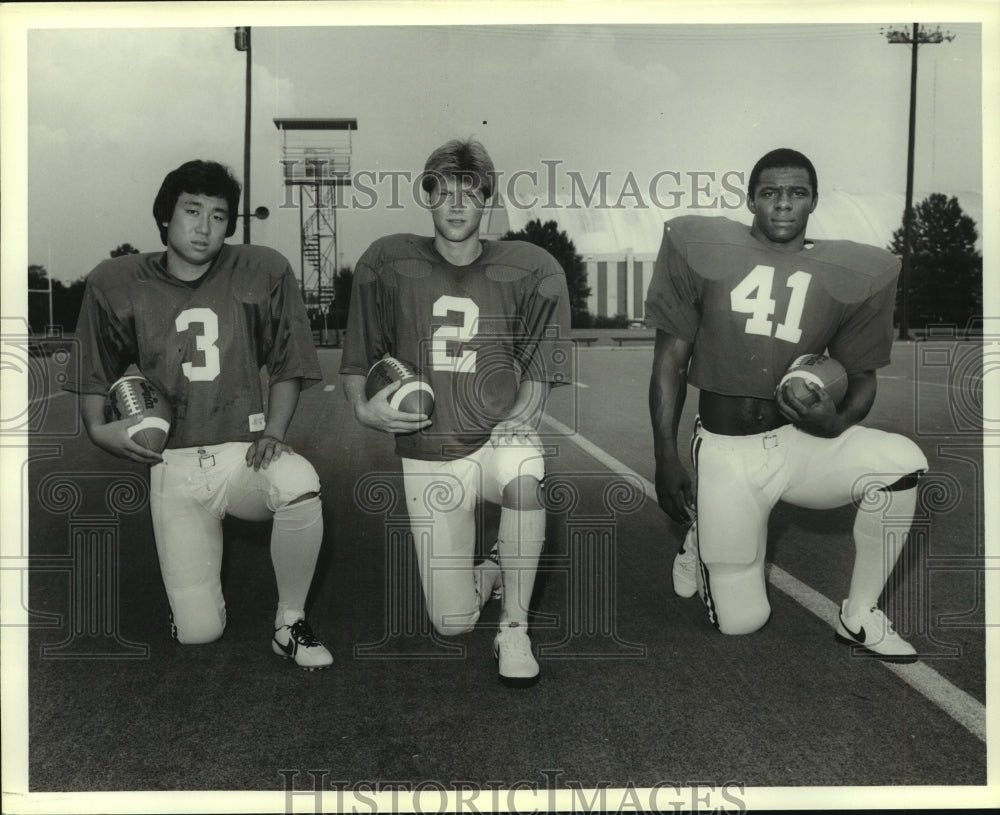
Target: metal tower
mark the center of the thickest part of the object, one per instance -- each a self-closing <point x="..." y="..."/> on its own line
<point x="316" y="157"/>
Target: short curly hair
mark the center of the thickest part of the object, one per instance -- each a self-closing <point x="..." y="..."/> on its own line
<point x="782" y="157"/>
<point x="197" y="178"/>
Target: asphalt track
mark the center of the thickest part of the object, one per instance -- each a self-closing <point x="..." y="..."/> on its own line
<point x="637" y="687"/>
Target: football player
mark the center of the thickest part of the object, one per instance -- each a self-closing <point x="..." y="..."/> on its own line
<point x="733" y="307"/>
<point x="472" y="316"/>
<point x="200" y="321"/>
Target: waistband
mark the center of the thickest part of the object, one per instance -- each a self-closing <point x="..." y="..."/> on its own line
<point x="205" y="456"/>
<point x="757" y="441"/>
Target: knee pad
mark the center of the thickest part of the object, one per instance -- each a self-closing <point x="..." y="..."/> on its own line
<point x="199" y="613"/>
<point x="290" y="477"/>
<point x="300" y="514"/>
<point x="897" y="454"/>
<point x="736" y="598"/>
<point x="515" y="460"/>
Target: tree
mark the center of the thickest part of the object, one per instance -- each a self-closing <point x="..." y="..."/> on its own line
<point x="946" y="270"/>
<point x="124" y="249"/>
<point x="558" y="244"/>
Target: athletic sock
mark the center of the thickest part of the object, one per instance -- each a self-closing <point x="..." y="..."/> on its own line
<point x="296" y="537"/>
<point x="521" y="538"/>
<point x="881" y="528"/>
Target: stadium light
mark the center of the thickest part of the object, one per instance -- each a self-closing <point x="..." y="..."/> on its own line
<point x="242" y="43"/>
<point x="914" y="39"/>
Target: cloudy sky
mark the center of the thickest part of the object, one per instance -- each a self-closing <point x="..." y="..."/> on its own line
<point x="110" y="110"/>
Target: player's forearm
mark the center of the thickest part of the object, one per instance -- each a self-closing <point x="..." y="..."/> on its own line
<point x="354" y="388"/>
<point x="860" y="396"/>
<point x="92" y="411"/>
<point x="667" y="392"/>
<point x="283" y="398"/>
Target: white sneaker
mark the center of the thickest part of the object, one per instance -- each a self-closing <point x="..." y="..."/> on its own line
<point x="686" y="565"/>
<point x="297" y="641"/>
<point x="872" y="630"/>
<point x="512" y="649"/>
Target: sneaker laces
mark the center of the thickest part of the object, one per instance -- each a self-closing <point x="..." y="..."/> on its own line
<point x="515" y="639"/>
<point x="303" y="635"/>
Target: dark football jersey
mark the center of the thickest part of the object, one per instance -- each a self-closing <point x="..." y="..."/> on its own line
<point x="750" y="310"/>
<point x="203" y="345"/>
<point x="473" y="331"/>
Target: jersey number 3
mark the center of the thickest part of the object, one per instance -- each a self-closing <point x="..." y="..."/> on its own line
<point x="204" y="341"/>
<point x="752" y="296"/>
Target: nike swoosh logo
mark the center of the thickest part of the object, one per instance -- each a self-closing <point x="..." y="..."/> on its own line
<point x="859" y="636"/>
<point x="290" y="648"/>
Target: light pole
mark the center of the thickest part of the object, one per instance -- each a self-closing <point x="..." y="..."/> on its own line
<point x="914" y="39"/>
<point x="242" y="41"/>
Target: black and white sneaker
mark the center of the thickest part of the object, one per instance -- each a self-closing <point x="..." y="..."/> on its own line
<point x="297" y="641"/>
<point x="872" y="630"/>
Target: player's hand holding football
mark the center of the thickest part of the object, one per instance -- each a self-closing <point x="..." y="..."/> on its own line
<point x="265" y="450"/>
<point x="816" y="415"/>
<point x="113" y="437"/>
<point x="674" y="490"/>
<point x="378" y="414"/>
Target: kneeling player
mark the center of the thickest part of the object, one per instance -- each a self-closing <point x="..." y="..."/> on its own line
<point x="471" y="316"/>
<point x="199" y="321"/>
<point x="733" y="306"/>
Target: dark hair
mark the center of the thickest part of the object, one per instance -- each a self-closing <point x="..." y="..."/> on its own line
<point x="782" y="157"/>
<point x="463" y="160"/>
<point x="196" y="178"/>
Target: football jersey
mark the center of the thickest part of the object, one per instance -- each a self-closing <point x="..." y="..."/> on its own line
<point x="473" y="331"/>
<point x="203" y="344"/>
<point x="750" y="310"/>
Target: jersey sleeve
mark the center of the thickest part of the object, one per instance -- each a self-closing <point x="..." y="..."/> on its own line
<point x="106" y="341"/>
<point x="291" y="353"/>
<point x="863" y="341"/>
<point x="543" y="353"/>
<point x="672" y="302"/>
<point x="369" y="320"/>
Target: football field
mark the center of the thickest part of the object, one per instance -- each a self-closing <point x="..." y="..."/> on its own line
<point x="637" y="689"/>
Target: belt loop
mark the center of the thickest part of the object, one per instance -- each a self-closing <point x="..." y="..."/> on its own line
<point x="770" y="440"/>
<point x="205" y="459"/>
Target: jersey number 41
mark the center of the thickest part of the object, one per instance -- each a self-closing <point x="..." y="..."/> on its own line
<point x="752" y="295"/>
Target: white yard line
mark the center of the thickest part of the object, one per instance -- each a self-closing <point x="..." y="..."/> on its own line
<point x="958" y="704"/>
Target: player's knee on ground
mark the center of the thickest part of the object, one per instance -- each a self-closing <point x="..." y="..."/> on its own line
<point x="292" y="480"/>
<point x="736" y="599"/>
<point x="198" y="614"/>
<point x="453" y="623"/>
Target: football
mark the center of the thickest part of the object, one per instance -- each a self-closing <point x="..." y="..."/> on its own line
<point x="414" y="394"/>
<point x="820" y="370"/>
<point x="135" y="396"/>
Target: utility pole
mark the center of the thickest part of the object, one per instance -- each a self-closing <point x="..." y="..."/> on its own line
<point x="242" y="37"/>
<point x="914" y="39"/>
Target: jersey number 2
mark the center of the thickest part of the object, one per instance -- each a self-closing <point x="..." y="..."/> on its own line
<point x="465" y="361"/>
<point x="204" y="342"/>
<point x="752" y="296"/>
